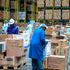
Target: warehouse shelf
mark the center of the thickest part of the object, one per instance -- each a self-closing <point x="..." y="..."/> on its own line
<point x="54" y="10"/>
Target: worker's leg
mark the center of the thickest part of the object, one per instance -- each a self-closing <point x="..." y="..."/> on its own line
<point x="34" y="64"/>
<point x="40" y="65"/>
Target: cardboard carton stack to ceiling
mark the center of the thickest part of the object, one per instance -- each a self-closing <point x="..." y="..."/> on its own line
<point x="65" y="2"/>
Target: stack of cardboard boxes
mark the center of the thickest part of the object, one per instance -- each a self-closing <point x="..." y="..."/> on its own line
<point x="59" y="48"/>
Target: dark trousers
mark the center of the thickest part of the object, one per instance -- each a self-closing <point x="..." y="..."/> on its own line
<point x="37" y="65"/>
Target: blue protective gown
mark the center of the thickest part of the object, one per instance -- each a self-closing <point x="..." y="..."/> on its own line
<point x="13" y="29"/>
<point x="37" y="44"/>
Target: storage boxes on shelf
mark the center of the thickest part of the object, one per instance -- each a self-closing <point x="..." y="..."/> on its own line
<point x="41" y="15"/>
<point x="65" y="3"/>
<point x="57" y="3"/>
<point x="49" y="3"/>
<point x="57" y="14"/>
<point x="48" y="14"/>
<point x="40" y="3"/>
<point x="65" y="14"/>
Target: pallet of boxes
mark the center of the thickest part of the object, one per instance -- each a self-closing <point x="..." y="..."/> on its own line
<point x="12" y="51"/>
<point x="57" y="59"/>
<point x="2" y="48"/>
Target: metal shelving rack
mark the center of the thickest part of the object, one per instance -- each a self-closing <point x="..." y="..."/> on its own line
<point x="12" y="8"/>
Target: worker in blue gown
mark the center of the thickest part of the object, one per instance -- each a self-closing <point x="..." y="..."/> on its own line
<point x="37" y="46"/>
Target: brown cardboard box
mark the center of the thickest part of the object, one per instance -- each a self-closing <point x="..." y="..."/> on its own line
<point x="14" y="51"/>
<point x="56" y="62"/>
<point x="14" y="42"/>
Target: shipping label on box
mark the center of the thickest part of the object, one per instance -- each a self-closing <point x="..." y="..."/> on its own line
<point x="57" y="14"/>
<point x="65" y="3"/>
<point x="65" y="14"/>
<point x="48" y="14"/>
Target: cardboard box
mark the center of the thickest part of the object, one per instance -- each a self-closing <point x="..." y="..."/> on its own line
<point x="65" y="14"/>
<point x="57" y="14"/>
<point x="58" y="3"/>
<point x="56" y="62"/>
<point x="14" y="42"/>
<point x="49" y="3"/>
<point x="65" y="2"/>
<point x="1" y="56"/>
<point x="40" y="14"/>
<point x="14" y="51"/>
<point x="48" y="14"/>
<point x="62" y="42"/>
